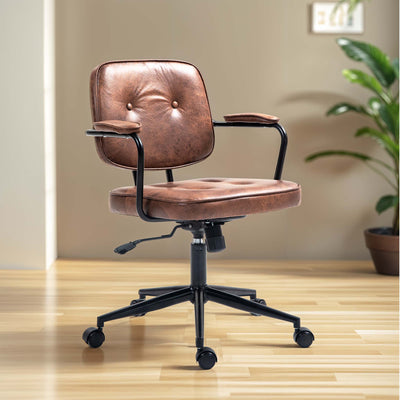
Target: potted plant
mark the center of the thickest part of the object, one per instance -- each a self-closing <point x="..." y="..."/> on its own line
<point x="383" y="110"/>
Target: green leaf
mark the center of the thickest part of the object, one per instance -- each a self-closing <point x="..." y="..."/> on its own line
<point x="374" y="104"/>
<point x="368" y="81"/>
<point x="383" y="139"/>
<point x="342" y="108"/>
<point x="360" y="156"/>
<point x="386" y="115"/>
<point x="386" y="202"/>
<point x="338" y="4"/>
<point x="352" y="5"/>
<point x="390" y="116"/>
<point x="395" y="65"/>
<point x="376" y="60"/>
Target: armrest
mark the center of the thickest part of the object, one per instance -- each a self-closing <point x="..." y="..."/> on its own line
<point x="120" y="127"/>
<point x="260" y="121"/>
<point x="127" y="130"/>
<point x="252" y="117"/>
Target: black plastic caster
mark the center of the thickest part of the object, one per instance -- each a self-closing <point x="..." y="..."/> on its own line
<point x="303" y="337"/>
<point x="135" y="302"/>
<point x="259" y="301"/>
<point x="206" y="357"/>
<point x="94" y="337"/>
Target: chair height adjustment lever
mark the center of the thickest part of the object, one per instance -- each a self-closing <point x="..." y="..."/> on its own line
<point x="124" y="248"/>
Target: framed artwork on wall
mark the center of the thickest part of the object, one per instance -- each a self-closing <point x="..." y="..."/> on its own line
<point x="325" y="20"/>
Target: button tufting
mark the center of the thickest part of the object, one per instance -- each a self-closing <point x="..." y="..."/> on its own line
<point x="242" y="183"/>
<point x="129" y="106"/>
<point x="175" y="104"/>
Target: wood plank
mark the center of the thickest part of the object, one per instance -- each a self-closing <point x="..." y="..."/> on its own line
<point x="352" y="311"/>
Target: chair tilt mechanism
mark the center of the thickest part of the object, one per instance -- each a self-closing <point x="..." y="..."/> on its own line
<point x="155" y="115"/>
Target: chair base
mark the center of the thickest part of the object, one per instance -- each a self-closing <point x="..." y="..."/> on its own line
<point x="198" y="293"/>
<point x="167" y="289"/>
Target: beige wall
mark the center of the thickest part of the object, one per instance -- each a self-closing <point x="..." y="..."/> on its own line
<point x="256" y="56"/>
<point x="27" y="185"/>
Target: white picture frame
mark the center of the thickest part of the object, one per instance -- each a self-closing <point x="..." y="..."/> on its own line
<point x="324" y="21"/>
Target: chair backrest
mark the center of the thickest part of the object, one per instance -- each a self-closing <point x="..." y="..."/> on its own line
<point x="168" y="98"/>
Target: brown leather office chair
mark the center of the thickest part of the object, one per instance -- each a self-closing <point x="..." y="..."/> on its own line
<point x="155" y="115"/>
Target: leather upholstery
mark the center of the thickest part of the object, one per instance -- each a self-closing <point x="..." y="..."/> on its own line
<point x="121" y="127"/>
<point x="166" y="102"/>
<point x="170" y="101"/>
<point x="252" y="117"/>
<point x="208" y="198"/>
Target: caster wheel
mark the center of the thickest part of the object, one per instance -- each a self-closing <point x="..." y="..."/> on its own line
<point x="135" y="302"/>
<point x="303" y="337"/>
<point x="94" y="337"/>
<point x="206" y="357"/>
<point x="259" y="301"/>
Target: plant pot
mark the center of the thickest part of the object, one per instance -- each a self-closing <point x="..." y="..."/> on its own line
<point x="384" y="249"/>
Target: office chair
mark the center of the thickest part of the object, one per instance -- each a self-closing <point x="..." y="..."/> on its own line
<point x="155" y="115"/>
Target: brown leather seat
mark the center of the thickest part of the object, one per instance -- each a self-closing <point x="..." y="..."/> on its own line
<point x="155" y="115"/>
<point x="208" y="198"/>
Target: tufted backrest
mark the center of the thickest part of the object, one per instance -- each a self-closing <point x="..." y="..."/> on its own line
<point x="170" y="101"/>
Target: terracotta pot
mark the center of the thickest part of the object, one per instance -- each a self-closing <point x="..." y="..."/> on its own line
<point x="384" y="249"/>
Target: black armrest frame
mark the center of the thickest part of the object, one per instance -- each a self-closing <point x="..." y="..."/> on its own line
<point x="139" y="173"/>
<point x="139" y="181"/>
<point x="282" y="132"/>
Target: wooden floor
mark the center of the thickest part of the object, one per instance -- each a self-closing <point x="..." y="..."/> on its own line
<point x="352" y="311"/>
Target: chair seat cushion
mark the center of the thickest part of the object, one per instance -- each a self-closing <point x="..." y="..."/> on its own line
<point x="208" y="198"/>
